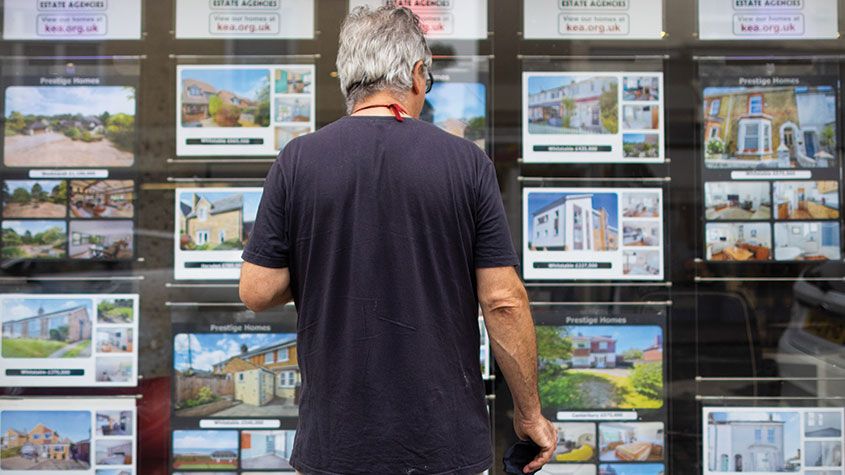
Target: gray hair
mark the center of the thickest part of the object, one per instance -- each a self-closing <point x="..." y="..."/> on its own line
<point x="377" y="52"/>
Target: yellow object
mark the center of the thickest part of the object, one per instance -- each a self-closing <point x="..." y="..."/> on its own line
<point x="581" y="454"/>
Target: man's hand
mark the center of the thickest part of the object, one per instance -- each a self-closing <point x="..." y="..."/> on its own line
<point x="541" y="432"/>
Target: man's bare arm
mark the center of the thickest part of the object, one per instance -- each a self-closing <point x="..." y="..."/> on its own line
<point x="504" y="303"/>
<point x="262" y="288"/>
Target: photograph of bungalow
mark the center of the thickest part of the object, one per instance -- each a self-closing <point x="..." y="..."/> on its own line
<point x="111" y="423"/>
<point x="102" y="198"/>
<point x="631" y="441"/>
<point x="567" y="105"/>
<point x="266" y="449"/>
<point x="293" y="81"/>
<point x="113" y="451"/>
<point x="114" y="340"/>
<point x="770" y="127"/>
<point x="45" y="441"/>
<point x="814" y="241"/>
<point x="735" y="200"/>
<point x="641" y="204"/>
<point x="47" y="328"/>
<point x="34" y="239"/>
<point x="640" y="262"/>
<point x="573" y="221"/>
<point x="73" y="126"/>
<point x="216" y="221"/>
<point x="807" y="199"/>
<point x="205" y="449"/>
<point x="823" y="424"/>
<point x="225" y="97"/>
<point x="459" y="108"/>
<point x="640" y="233"/>
<point x="34" y="198"/>
<point x="576" y="442"/>
<point x="113" y="370"/>
<point x="102" y="240"/>
<point x="738" y="241"/>
<point x="641" y="88"/>
<point x="740" y="441"/>
<point x="236" y="375"/>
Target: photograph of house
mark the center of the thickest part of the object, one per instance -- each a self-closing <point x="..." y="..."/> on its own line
<point x="638" y="117"/>
<point x="739" y="441"/>
<point x="632" y="469"/>
<point x="631" y="441"/>
<point x="286" y="133"/>
<point x="225" y="97"/>
<point x="216" y="221"/>
<point x="640" y="145"/>
<point x="737" y="200"/>
<point x="266" y="449"/>
<point x="576" y="442"/>
<point x="640" y="262"/>
<point x="813" y="241"/>
<point x="112" y="423"/>
<point x="34" y="198"/>
<point x="115" y="310"/>
<point x="102" y="198"/>
<point x="459" y="108"/>
<point x="822" y="424"/>
<point x="115" y="370"/>
<point x="600" y="367"/>
<point x="236" y="375"/>
<point x="45" y="441"/>
<point x="738" y="242"/>
<point x="114" y="340"/>
<point x="113" y="451"/>
<point x="770" y="127"/>
<point x="573" y="221"/>
<point x="807" y="199"/>
<point x="72" y="126"/>
<point x="641" y="88"/>
<point x="46" y="328"/>
<point x="641" y="204"/>
<point x="566" y="104"/>
<point x="34" y="239"/>
<point x="641" y="233"/>
<point x="824" y="454"/>
<point x="293" y="81"/>
<point x="293" y="109"/>
<point x="205" y="449"/>
<point x="102" y="240"/>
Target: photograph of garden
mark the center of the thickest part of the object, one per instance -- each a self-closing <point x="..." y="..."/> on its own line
<point x="78" y="126"/>
<point x="46" y="328"/>
<point x="34" y="198"/>
<point x="600" y="367"/>
<point x="231" y="97"/>
<point x="34" y="239"/>
<point x="117" y="310"/>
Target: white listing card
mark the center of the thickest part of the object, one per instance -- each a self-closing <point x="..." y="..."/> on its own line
<point x="443" y="19"/>
<point x="593" y="19"/>
<point x="245" y="19"/>
<point x="92" y="20"/>
<point x="767" y="19"/>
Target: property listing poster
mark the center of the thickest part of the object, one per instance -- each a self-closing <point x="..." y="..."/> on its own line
<point x="91" y="436"/>
<point x="245" y="19"/>
<point x="593" y="19"/>
<point x="768" y="19"/>
<point x="593" y="234"/>
<point x="771" y="166"/>
<point x="593" y="117"/>
<point x="212" y="228"/>
<point x="458" y="99"/>
<point x="236" y="111"/>
<point x="73" y="20"/>
<point x="443" y="19"/>
<point x="53" y="340"/>
<point x="601" y="381"/>
<point x="803" y="441"/>
<point x="236" y="388"/>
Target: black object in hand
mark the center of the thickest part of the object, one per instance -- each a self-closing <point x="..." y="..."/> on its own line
<point x="519" y="455"/>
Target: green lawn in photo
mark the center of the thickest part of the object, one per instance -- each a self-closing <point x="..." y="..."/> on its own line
<point x="10" y="452"/>
<point x="32" y="348"/>
<point x="115" y="311"/>
<point x="81" y="350"/>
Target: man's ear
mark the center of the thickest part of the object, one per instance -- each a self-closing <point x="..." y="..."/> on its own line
<point x="419" y="78"/>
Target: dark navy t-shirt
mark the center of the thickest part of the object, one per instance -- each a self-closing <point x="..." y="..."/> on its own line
<point x="382" y="224"/>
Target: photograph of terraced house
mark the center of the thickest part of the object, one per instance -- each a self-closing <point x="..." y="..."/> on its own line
<point x="770" y="127"/>
<point x="47" y="328"/>
<point x="583" y="221"/>
<point x="236" y="375"/>
<point x="216" y="220"/>
<point x="225" y="97"/>
<point x="45" y="441"/>
<point x="807" y="199"/>
<point x="573" y="105"/>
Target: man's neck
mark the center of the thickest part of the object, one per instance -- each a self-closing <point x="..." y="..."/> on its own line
<point x="378" y="99"/>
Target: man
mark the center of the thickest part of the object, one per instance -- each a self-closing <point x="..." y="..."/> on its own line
<point x="388" y="233"/>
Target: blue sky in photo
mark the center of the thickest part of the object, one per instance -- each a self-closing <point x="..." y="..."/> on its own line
<point x="85" y="100"/>
<point x="251" y="200"/>
<point x="639" y="138"/>
<point x="635" y="469"/>
<point x="75" y="425"/>
<point x="208" y="349"/>
<point x="638" y="337"/>
<point x="204" y="441"/>
<point x="543" y="83"/>
<point x="15" y="309"/>
<point x="791" y="430"/>
<point x="718" y="90"/>
<point x="608" y="201"/>
<point x="47" y="185"/>
<point x="35" y="227"/>
<point x="243" y="82"/>
<point x="457" y="100"/>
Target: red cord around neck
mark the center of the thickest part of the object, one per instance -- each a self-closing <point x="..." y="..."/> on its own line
<point x="396" y="108"/>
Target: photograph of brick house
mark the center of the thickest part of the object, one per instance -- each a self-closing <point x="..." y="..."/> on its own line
<point x="573" y="221"/>
<point x="45" y="440"/>
<point x="47" y="327"/>
<point x="569" y="104"/>
<point x="770" y="127"/>
<point x="216" y="221"/>
<point x="225" y="97"/>
<point x="258" y="376"/>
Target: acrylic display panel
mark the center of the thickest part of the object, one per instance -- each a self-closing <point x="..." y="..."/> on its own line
<point x="68" y="20"/>
<point x="593" y="20"/>
<point x="443" y="20"/>
<point x="245" y="19"/>
<point x="767" y="19"/>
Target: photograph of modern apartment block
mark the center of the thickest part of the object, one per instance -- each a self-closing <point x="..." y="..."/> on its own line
<point x="573" y="221"/>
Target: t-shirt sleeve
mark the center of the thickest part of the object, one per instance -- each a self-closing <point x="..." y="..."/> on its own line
<point x="493" y="244"/>
<point x="268" y="244"/>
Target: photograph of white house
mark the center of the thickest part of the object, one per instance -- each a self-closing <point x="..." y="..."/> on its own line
<point x="267" y="449"/>
<point x="737" y="201"/>
<point x="573" y="104"/>
<point x="738" y="241"/>
<point x="574" y="221"/>
<point x="743" y="441"/>
<point x="807" y="241"/>
<point x="807" y="199"/>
